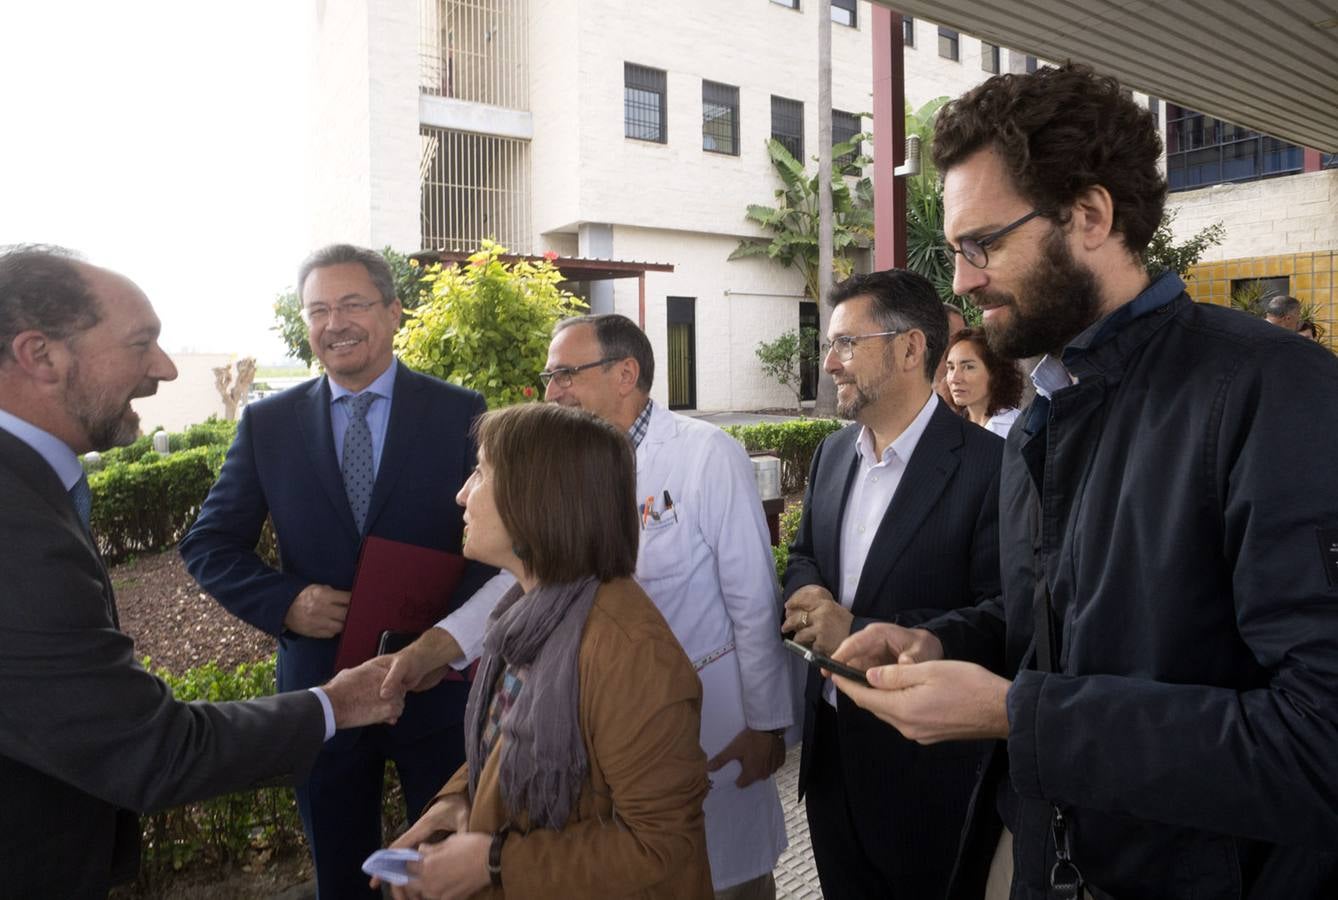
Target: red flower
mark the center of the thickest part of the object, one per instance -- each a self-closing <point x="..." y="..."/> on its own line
<point x="550" y="255"/>
<point x="528" y="392"/>
<point x="478" y="261"/>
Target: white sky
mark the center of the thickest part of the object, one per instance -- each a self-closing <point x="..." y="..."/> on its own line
<point x="163" y="140"/>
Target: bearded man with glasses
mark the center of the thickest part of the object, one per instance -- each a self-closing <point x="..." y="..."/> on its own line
<point x="898" y="525"/>
<point x="1160" y="676"/>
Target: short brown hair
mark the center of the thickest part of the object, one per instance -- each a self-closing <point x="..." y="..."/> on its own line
<point x="564" y="482"/>
<point x="1005" y="384"/>
<point x="1059" y="132"/>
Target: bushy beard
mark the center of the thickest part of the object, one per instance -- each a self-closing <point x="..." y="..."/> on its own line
<point x="1060" y="299"/>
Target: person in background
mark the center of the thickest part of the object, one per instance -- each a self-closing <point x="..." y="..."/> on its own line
<point x="88" y="738"/>
<point x="1284" y="311"/>
<point x="985" y="386"/>
<point x="585" y="777"/>
<point x="956" y="322"/>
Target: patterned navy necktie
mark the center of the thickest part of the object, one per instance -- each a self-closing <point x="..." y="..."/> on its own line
<point x="81" y="495"/>
<point x="359" y="468"/>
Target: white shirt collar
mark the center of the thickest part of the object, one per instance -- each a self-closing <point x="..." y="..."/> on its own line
<point x="56" y="452"/>
<point x="905" y="443"/>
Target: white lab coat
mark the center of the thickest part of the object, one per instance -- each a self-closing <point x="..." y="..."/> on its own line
<point x="707" y="565"/>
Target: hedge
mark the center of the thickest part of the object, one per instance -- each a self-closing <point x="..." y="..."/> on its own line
<point x="227" y="830"/>
<point x="793" y="441"/>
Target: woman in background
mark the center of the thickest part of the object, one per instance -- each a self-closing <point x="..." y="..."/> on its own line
<point x="985" y="387"/>
<point x="584" y="774"/>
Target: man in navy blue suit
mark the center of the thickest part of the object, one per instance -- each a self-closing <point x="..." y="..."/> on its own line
<point x="370" y="448"/>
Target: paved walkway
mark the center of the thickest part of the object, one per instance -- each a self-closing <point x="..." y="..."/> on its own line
<point x="796" y="877"/>
<point x="722" y="419"/>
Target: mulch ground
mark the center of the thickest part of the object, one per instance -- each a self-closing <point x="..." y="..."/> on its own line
<point x="180" y="627"/>
<point x="177" y="624"/>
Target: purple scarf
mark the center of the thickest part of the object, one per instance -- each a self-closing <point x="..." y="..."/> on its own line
<point x="543" y="763"/>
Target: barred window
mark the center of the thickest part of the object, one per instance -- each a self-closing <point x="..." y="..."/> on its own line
<point x="787" y="124"/>
<point x="989" y="57"/>
<point x="720" y="118"/>
<point x="948" y="43"/>
<point x="908" y="30"/>
<point x="643" y="103"/>
<point x="844" y="127"/>
<point x="843" y="12"/>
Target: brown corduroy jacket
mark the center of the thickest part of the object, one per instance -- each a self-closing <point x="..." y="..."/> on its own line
<point x="638" y="830"/>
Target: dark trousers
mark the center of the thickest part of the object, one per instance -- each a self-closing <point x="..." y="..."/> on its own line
<point x="854" y="857"/>
<point x="341" y="802"/>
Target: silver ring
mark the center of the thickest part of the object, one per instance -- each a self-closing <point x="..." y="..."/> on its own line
<point x="803" y="619"/>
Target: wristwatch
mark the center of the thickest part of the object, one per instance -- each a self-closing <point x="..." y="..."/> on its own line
<point x="495" y="854"/>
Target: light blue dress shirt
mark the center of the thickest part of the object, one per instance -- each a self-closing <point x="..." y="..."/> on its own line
<point x="378" y="413"/>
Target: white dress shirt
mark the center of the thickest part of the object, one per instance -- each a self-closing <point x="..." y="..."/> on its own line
<point x="871" y="491"/>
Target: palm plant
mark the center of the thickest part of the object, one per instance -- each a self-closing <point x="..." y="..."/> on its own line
<point x="793" y="221"/>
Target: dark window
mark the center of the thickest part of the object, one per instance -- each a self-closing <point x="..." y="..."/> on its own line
<point x="908" y="31"/>
<point x="948" y="41"/>
<point x="787" y="125"/>
<point x="809" y="363"/>
<point x="791" y="4"/>
<point x="843" y="12"/>
<point x="1329" y="160"/>
<point x="1263" y="288"/>
<point x="1201" y="150"/>
<point x="1154" y="107"/>
<point x="989" y="57"/>
<point x="844" y="127"/>
<point x="1031" y="64"/>
<point x="720" y="118"/>
<point x="643" y="103"/>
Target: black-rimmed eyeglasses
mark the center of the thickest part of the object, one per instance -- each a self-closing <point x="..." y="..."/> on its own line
<point x="563" y="377"/>
<point x="844" y="346"/>
<point x="976" y="250"/>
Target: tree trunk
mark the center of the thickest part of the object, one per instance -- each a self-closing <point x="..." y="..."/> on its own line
<point x="826" y="401"/>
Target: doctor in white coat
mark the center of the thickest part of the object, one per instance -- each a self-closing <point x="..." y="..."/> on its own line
<point x="705" y="561"/>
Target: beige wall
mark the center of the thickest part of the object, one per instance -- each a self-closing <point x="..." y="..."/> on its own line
<point x="191" y="398"/>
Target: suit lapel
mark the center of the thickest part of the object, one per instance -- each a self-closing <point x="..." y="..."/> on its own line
<point x="407" y="413"/>
<point x="833" y="528"/>
<point x="927" y="474"/>
<point x="313" y="421"/>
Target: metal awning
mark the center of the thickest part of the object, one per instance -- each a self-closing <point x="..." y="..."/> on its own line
<point x="572" y="268"/>
<point x="1270" y="65"/>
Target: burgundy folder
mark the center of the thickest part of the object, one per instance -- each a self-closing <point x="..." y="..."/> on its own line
<point x="398" y="587"/>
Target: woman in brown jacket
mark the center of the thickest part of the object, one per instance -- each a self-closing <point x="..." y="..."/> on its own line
<point x="584" y="777"/>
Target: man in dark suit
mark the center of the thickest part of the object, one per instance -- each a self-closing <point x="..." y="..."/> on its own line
<point x="86" y="735"/>
<point x="370" y="448"/>
<point x="900" y="522"/>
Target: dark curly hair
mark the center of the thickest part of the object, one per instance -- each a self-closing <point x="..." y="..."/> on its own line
<point x="1059" y="132"/>
<point x="1005" y="376"/>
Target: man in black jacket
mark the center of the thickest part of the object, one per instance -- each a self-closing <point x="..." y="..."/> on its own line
<point x="900" y="524"/>
<point x="1169" y="618"/>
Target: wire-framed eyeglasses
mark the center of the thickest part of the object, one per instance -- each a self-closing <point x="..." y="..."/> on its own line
<point x="564" y="376"/>
<point x="976" y="250"/>
<point x="844" y="346"/>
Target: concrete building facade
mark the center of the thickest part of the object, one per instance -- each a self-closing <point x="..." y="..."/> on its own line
<point x="603" y="129"/>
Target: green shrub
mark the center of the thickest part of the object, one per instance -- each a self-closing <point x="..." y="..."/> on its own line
<point x="793" y="441"/>
<point x="486" y="325"/>
<point x="224" y="829"/>
<point x="147" y="505"/>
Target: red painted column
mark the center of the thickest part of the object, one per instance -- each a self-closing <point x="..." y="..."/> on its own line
<point x="1312" y="160"/>
<point x="889" y="139"/>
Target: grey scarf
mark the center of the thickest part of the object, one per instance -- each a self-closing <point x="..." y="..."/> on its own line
<point x="543" y="761"/>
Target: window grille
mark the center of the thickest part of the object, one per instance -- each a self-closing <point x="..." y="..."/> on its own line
<point x="643" y="103"/>
<point x="474" y="186"/>
<point x="475" y="50"/>
<point x="787" y="124"/>
<point x="720" y="118"/>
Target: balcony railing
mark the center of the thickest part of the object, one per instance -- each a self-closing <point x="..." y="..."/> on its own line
<point x="474" y="186"/>
<point x="476" y="50"/>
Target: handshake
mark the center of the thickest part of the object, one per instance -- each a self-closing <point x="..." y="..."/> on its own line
<point x="357" y="698"/>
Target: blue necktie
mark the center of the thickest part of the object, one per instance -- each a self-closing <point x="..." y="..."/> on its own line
<point x="81" y="495"/>
<point x="359" y="468"/>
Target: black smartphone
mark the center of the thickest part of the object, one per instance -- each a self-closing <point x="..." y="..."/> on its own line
<point x="395" y="641"/>
<point x="817" y="660"/>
